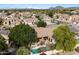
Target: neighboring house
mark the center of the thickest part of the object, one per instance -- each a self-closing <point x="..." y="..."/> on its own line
<point x="18" y="18"/>
<point x="74" y="19"/>
<point x="3" y="15"/>
<point x="75" y="12"/>
<point x="47" y="19"/>
<point x="4" y="33"/>
<point x="24" y="15"/>
<point x="65" y="18"/>
<point x="30" y="21"/>
<point x="62" y="18"/>
<point x="11" y="22"/>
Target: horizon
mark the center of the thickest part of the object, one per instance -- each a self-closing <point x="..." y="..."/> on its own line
<point x="35" y="6"/>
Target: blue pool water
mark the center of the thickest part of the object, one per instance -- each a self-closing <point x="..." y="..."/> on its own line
<point x="35" y="51"/>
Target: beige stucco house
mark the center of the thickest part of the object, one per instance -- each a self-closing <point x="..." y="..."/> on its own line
<point x="44" y="34"/>
<point x="11" y="22"/>
<point x="62" y="17"/>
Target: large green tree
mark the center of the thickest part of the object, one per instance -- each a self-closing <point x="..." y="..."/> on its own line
<point x="3" y="45"/>
<point x="65" y="39"/>
<point x="23" y="35"/>
<point x="41" y="24"/>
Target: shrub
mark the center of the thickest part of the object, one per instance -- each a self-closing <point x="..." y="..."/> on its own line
<point x="23" y="51"/>
<point x="3" y="45"/>
<point x="41" y="24"/>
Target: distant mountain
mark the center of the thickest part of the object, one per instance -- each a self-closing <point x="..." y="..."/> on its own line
<point x="51" y="8"/>
<point x="57" y="7"/>
<point x="60" y="7"/>
<point x="73" y="7"/>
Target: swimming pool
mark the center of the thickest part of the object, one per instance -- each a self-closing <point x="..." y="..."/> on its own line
<point x="35" y="51"/>
<point x="38" y="50"/>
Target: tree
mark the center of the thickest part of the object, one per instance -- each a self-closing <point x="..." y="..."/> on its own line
<point x="23" y="51"/>
<point x="57" y="16"/>
<point x="3" y="45"/>
<point x="41" y="24"/>
<point x="65" y="39"/>
<point x="1" y="21"/>
<point x="50" y="46"/>
<point x="23" y="35"/>
<point x="50" y="13"/>
<point x="38" y="17"/>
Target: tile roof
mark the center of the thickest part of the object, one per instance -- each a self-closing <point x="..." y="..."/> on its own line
<point x="43" y="32"/>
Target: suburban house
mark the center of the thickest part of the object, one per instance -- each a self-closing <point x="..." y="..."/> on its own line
<point x="4" y="33"/>
<point x="74" y="19"/>
<point x="47" y="19"/>
<point x="11" y="21"/>
<point x="44" y="34"/>
<point x="75" y="12"/>
<point x="3" y="15"/>
<point x="18" y="18"/>
<point x="24" y="15"/>
<point x="30" y="21"/>
<point x="64" y="18"/>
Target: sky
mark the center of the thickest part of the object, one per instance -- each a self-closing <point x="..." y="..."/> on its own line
<point x="36" y="6"/>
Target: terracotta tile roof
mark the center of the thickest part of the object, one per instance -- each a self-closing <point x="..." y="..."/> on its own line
<point x="43" y="32"/>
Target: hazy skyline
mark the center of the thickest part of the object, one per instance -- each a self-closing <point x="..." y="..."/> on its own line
<point x="36" y="6"/>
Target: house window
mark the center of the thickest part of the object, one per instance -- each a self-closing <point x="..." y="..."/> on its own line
<point x="66" y="19"/>
<point x="51" y="40"/>
<point x="45" y="38"/>
<point x="9" y="22"/>
<point x="12" y="20"/>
